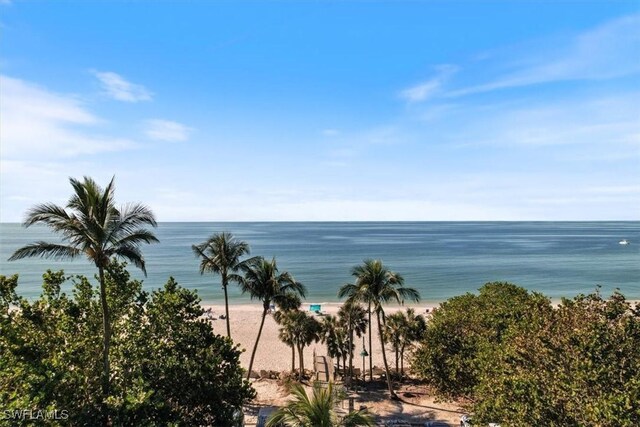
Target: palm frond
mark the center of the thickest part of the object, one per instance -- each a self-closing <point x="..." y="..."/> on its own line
<point x="46" y="213"/>
<point x="132" y="254"/>
<point x="45" y="250"/>
<point x="347" y="290"/>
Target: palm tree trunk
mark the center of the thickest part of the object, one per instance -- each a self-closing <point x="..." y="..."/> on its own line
<point x="402" y="361"/>
<point x="226" y="304"/>
<point x="344" y="363"/>
<point x="106" y="326"/>
<point x="397" y="368"/>
<point x="384" y="358"/>
<point x="300" y="356"/>
<point x="350" y="354"/>
<point x="293" y="359"/>
<point x="370" y="347"/>
<point x="255" y="347"/>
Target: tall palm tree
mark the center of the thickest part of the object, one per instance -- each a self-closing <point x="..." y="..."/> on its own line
<point x="263" y="282"/>
<point x="92" y="226"/>
<point x="221" y="254"/>
<point x="354" y="319"/>
<point x="319" y="410"/>
<point x="376" y="285"/>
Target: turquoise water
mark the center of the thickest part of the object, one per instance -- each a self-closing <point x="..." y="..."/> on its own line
<point x="440" y="259"/>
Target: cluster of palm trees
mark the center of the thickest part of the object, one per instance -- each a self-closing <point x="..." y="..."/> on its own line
<point x="338" y="333"/>
<point x="374" y="286"/>
<point x="402" y="330"/>
<point x="298" y="330"/>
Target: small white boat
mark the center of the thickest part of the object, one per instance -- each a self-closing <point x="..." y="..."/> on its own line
<point x="623" y="242"/>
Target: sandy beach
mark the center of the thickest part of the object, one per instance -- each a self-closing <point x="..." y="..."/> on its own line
<point x="416" y="405"/>
<point x="272" y="353"/>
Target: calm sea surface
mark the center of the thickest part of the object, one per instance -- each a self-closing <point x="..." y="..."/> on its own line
<point x="440" y="259"/>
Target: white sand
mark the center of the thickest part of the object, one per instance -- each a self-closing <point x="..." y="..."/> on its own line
<point x="273" y="354"/>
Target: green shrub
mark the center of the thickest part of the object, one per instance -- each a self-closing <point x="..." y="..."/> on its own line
<point x="520" y="361"/>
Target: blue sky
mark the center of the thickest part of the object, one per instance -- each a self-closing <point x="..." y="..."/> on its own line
<point x="227" y="111"/>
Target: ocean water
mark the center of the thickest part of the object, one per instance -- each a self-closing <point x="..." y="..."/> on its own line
<point x="440" y="259"/>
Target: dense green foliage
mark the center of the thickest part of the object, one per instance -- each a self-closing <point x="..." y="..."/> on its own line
<point x="317" y="410"/>
<point x="167" y="366"/>
<point x="521" y="361"/>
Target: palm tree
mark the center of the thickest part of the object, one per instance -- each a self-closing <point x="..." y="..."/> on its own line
<point x="353" y="318"/>
<point x="376" y="285"/>
<point x="356" y="293"/>
<point x="319" y="410"/>
<point x="284" y="317"/>
<point x="304" y="330"/>
<point x="345" y="346"/>
<point x="285" y="333"/>
<point x="395" y="332"/>
<point x="263" y="282"/>
<point x="91" y="225"/>
<point x="221" y="254"/>
<point x="415" y="327"/>
<point x="329" y="328"/>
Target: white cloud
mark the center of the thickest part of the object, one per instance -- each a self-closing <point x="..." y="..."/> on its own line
<point x="120" y="89"/>
<point x="608" y="51"/>
<point x="431" y="87"/>
<point x="37" y="123"/>
<point x="166" y="130"/>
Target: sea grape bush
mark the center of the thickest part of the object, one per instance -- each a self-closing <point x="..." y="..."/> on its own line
<point x="521" y="361"/>
<point x="168" y="367"/>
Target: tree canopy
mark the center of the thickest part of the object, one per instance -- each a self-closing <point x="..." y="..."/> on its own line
<point x="521" y="361"/>
<point x="167" y="365"/>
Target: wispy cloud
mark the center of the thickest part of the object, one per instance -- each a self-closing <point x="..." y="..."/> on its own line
<point x="608" y="51"/>
<point x="166" y="130"/>
<point x="330" y="132"/>
<point x="608" y="124"/>
<point x="39" y="123"/>
<point x="118" y="88"/>
<point x="429" y="88"/>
